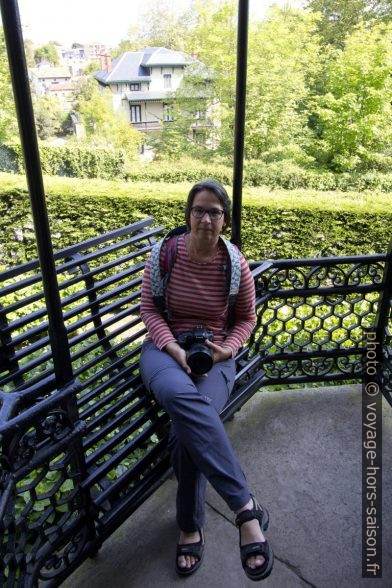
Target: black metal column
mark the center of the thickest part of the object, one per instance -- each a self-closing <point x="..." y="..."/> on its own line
<point x="24" y="109"/>
<point x="239" y="128"/>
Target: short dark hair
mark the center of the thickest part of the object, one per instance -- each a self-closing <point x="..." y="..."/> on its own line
<point x="220" y="193"/>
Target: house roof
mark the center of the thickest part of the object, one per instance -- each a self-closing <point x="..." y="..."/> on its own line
<point x="61" y="87"/>
<point x="155" y="56"/>
<point x="132" y="66"/>
<point x="51" y="72"/>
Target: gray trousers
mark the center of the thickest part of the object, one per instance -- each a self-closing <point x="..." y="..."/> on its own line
<point x="200" y="448"/>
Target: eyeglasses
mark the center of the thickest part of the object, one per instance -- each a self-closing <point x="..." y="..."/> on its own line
<point x="214" y="213"/>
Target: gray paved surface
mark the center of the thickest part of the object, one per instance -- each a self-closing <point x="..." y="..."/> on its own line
<point x="301" y="452"/>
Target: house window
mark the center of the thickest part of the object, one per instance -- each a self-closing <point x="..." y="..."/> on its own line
<point x="167" y="80"/>
<point x="136" y="113"/>
<point x="135" y="87"/>
<point x="198" y="137"/>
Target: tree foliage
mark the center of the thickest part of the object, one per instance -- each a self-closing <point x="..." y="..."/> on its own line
<point x="318" y="90"/>
<point x="29" y="52"/>
<point x="47" y="53"/>
<point x="213" y="42"/>
<point x="283" y="62"/>
<point x="354" y="112"/>
<point x="161" y="28"/>
<point x="188" y="122"/>
<point x="102" y="125"/>
<point x="340" y="17"/>
<point x="314" y="99"/>
<point x="92" y="67"/>
<point x="8" y="121"/>
<point x="49" y="116"/>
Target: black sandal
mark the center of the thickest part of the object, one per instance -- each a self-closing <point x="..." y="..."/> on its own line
<point x="195" y="549"/>
<point x="260" y="548"/>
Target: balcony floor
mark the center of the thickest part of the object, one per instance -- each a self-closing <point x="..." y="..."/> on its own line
<point x="301" y="452"/>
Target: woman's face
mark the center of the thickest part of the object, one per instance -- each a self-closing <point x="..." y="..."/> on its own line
<point x="206" y="227"/>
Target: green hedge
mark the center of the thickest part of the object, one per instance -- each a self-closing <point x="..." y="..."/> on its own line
<point x="275" y="224"/>
<point x="9" y="160"/>
<point x="69" y="160"/>
<point x="183" y="171"/>
<point x="281" y="174"/>
<point x="92" y="162"/>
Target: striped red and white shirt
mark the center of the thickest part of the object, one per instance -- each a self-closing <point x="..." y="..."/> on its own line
<point x="196" y="296"/>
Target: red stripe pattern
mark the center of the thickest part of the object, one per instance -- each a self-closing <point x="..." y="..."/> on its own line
<point x="196" y="296"/>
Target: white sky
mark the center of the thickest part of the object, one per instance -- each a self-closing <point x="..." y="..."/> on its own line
<point x="106" y="21"/>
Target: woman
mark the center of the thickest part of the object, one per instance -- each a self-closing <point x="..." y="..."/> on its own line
<point x="200" y="449"/>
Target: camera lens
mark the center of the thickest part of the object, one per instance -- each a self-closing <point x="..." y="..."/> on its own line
<point x="200" y="359"/>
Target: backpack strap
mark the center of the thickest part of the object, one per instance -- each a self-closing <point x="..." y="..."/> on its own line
<point x="233" y="278"/>
<point x="159" y="281"/>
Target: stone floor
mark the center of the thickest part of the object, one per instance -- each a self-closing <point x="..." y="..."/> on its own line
<point x="301" y="452"/>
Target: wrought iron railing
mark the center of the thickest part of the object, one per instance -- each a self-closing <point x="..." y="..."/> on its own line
<point x="312" y="315"/>
<point x="78" y="461"/>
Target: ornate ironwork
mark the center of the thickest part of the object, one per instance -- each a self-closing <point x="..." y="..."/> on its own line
<point x="72" y="475"/>
<point x="311" y="314"/>
<point x="42" y="502"/>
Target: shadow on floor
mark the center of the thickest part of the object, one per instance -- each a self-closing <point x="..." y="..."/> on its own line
<point x="301" y="453"/>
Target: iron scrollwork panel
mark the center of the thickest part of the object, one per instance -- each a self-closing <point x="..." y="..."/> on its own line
<point x="311" y="318"/>
<point x="44" y="520"/>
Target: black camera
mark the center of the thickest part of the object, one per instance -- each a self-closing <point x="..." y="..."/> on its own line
<point x="199" y="356"/>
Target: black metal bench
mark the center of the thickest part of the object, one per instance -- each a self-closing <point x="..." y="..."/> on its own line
<point x="77" y="461"/>
<point x="101" y="439"/>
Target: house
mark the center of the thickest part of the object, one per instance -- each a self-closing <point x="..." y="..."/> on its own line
<point x="53" y="81"/>
<point x="43" y="77"/>
<point x="64" y="91"/>
<point x="78" y="57"/>
<point x="140" y="82"/>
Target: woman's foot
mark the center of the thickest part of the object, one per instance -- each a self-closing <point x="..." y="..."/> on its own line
<point x="250" y="532"/>
<point x="188" y="561"/>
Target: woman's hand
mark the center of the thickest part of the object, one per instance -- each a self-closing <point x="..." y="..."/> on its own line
<point x="218" y="353"/>
<point x="179" y="354"/>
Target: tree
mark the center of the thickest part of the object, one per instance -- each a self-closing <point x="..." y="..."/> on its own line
<point x="92" y="67"/>
<point x="340" y="17"/>
<point x="8" y="121"/>
<point x="29" y="52"/>
<point x="187" y="125"/>
<point x="354" y="115"/>
<point x="102" y="125"/>
<point x="49" y="116"/>
<point x="283" y="62"/>
<point x="47" y="53"/>
<point x="161" y="28"/>
<point x="125" y="45"/>
<point x="213" y="41"/>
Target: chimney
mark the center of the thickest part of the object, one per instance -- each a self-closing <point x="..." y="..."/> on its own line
<point x="106" y="63"/>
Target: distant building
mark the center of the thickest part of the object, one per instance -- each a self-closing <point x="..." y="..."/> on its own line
<point x="78" y="58"/>
<point x="53" y="81"/>
<point x="140" y="82"/>
<point x="64" y="91"/>
<point x="44" y="76"/>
